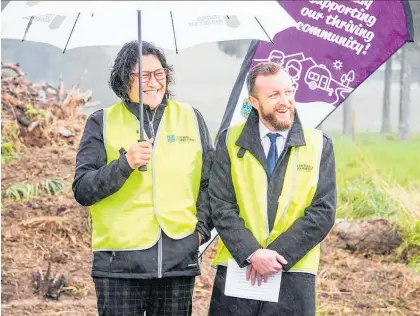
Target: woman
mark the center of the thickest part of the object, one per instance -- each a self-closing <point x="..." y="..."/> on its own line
<point x="146" y="225"/>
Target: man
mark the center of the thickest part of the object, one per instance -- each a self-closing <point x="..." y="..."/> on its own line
<point x="146" y="225"/>
<point x="273" y="198"/>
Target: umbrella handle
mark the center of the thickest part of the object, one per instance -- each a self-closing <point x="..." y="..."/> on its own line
<point x="142" y="168"/>
<point x="123" y="151"/>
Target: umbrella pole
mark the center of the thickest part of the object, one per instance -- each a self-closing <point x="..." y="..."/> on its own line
<point x="140" y="60"/>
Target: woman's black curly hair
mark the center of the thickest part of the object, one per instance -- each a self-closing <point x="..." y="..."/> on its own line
<point x="120" y="78"/>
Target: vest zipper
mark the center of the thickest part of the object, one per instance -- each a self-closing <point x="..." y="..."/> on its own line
<point x="154" y="136"/>
<point x="152" y="132"/>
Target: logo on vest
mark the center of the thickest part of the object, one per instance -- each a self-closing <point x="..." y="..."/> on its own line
<point x="171" y="138"/>
<point x="246" y="108"/>
<point x="182" y="139"/>
<point x="304" y="167"/>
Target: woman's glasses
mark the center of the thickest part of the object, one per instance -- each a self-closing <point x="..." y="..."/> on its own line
<point x="159" y="74"/>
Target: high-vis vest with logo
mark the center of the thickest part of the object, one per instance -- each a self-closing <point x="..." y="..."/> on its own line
<point x="164" y="196"/>
<point x="250" y="183"/>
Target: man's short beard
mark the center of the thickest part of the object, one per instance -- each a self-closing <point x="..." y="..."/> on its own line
<point x="278" y="125"/>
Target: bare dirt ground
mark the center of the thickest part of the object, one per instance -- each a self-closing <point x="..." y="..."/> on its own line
<point x="56" y="229"/>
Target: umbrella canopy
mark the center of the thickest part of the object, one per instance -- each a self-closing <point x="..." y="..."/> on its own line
<point x="171" y="25"/>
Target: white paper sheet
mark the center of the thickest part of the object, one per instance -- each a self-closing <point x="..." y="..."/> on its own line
<point x="237" y="285"/>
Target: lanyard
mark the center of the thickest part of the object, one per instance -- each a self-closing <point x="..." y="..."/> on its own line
<point x="152" y="131"/>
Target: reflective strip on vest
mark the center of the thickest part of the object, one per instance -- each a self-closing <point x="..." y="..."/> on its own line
<point x="164" y="196"/>
<point x="250" y="183"/>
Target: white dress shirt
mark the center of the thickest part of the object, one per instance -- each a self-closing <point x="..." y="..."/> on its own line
<point x="265" y="141"/>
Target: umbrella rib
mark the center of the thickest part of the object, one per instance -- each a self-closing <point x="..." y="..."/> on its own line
<point x="173" y="29"/>
<point x="71" y="33"/>
<point x="27" y="28"/>
<point x="264" y="29"/>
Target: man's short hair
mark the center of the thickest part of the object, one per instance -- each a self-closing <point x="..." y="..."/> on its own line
<point x="262" y="69"/>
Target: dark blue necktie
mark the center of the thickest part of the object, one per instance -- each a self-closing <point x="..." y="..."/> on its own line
<point x="272" y="153"/>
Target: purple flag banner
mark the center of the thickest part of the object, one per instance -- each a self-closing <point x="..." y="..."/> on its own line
<point x="335" y="46"/>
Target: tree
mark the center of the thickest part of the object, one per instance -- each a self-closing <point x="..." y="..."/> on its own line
<point x="347" y="116"/>
<point x="386" y="117"/>
<point x="405" y="80"/>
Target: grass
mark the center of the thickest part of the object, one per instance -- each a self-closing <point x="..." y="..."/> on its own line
<point x="9" y="140"/>
<point x="8" y="151"/>
<point x="27" y="191"/>
<point x="379" y="177"/>
<point x="392" y="159"/>
<point x="32" y="113"/>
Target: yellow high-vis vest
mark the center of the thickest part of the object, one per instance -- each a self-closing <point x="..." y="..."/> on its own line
<point x="164" y="196"/>
<point x="250" y="183"/>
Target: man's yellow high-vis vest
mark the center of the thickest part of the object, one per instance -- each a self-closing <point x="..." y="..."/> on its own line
<point x="164" y="196"/>
<point x="250" y="184"/>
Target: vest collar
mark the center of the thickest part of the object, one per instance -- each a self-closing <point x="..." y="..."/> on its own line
<point x="134" y="109"/>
